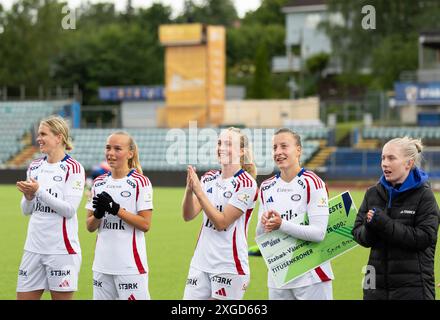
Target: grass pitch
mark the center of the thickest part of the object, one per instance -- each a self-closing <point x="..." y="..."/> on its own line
<point x="170" y="245"/>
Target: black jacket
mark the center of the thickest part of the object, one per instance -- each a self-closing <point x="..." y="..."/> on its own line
<point x="402" y="236"/>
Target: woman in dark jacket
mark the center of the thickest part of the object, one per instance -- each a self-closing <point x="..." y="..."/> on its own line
<point x="399" y="220"/>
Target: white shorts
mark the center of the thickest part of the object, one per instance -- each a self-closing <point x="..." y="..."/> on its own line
<point x="202" y="285"/>
<point x="54" y="272"/>
<point x="317" y="291"/>
<point x="120" y="287"/>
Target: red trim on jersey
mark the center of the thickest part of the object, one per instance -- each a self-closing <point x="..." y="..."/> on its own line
<point x="235" y="253"/>
<point x="313" y="179"/>
<point x="137" y="192"/>
<point x="67" y="174"/>
<point x="247" y="182"/>
<point x="261" y="196"/>
<point x="308" y="190"/>
<point x="137" y="259"/>
<point x="326" y="189"/>
<point x="321" y="274"/>
<point x="66" y="239"/>
<point x="238" y="186"/>
<point x="101" y="177"/>
<point x="74" y="164"/>
<point x="141" y="177"/>
<point x="316" y="177"/>
<point x="36" y="161"/>
<point x="248" y="215"/>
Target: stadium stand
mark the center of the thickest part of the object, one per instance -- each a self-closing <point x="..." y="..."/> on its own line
<point x="19" y="118"/>
<point x="163" y="150"/>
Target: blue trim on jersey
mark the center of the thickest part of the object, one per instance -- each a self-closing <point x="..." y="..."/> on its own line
<point x="301" y="172"/>
<point x="278" y="175"/>
<point x="131" y="172"/>
<point x="238" y="173"/>
<point x="65" y="158"/>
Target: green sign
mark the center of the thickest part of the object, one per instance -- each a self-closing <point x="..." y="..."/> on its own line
<point x="288" y="258"/>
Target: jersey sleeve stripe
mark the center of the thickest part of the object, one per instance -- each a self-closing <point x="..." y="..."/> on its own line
<point x="313" y="179"/>
<point x="308" y="190"/>
<point x="137" y="259"/>
<point x="74" y="164"/>
<point x="141" y="178"/>
<point x="238" y="186"/>
<point x="320" y="182"/>
<point x="235" y="253"/>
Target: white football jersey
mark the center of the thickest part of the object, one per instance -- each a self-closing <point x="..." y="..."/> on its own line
<point x="306" y="193"/>
<point x="120" y="247"/>
<point x="49" y="232"/>
<point x="226" y="251"/>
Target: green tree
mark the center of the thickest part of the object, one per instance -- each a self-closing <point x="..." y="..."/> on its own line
<point x="261" y="84"/>
<point x="216" y="12"/>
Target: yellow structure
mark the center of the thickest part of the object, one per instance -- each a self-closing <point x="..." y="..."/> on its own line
<point x="194" y="74"/>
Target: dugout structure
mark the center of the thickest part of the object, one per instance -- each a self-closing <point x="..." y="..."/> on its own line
<point x="194" y="74"/>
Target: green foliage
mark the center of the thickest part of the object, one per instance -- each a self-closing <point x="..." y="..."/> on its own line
<point x="391" y="47"/>
<point x="261" y="84"/>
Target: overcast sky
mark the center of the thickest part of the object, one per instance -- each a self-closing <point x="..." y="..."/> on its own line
<point x="242" y="6"/>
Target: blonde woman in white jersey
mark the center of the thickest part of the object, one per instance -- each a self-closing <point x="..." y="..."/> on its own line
<point x="121" y="211"/>
<point x="51" y="196"/>
<point x="220" y="268"/>
<point x="292" y="194"/>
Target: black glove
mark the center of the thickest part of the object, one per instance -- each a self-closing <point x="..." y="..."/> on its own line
<point x="106" y="201"/>
<point x="99" y="211"/>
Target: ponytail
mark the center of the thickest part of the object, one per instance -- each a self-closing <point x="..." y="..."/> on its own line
<point x="133" y="162"/>
<point x="247" y="159"/>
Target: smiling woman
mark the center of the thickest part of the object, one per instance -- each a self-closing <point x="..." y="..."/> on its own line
<point x="51" y="196"/>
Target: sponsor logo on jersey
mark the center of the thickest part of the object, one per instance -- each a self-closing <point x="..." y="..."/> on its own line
<point x="149" y="196"/>
<point x="209" y="190"/>
<point x="221" y="280"/>
<point x="97" y="283"/>
<point x="407" y="212"/>
<point x="301" y="183"/>
<point x="114" y="186"/>
<point x="47" y="171"/>
<point x="289" y="215"/>
<point x="100" y="183"/>
<point x="191" y="282"/>
<point x="42" y="208"/>
<point x="59" y="273"/>
<point x="209" y="178"/>
<point x="243" y="197"/>
<point x="296" y="197"/>
<point x="322" y="202"/>
<point x="268" y="186"/>
<point x="128" y="286"/>
<point x="58" y="178"/>
<point x="218" y="185"/>
<point x="77" y="185"/>
<point x="63" y="167"/>
<point x="227" y="194"/>
<point x="22" y="273"/>
<point x="131" y="297"/>
<point x="284" y="190"/>
<point x="131" y="183"/>
<point x="270" y="199"/>
<point x="113" y="225"/>
<point x="125" y="194"/>
<point x="34" y="167"/>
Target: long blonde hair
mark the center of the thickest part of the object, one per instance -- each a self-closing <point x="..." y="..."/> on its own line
<point x="58" y="126"/>
<point x="247" y="159"/>
<point x="411" y="148"/>
<point x="133" y="162"/>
